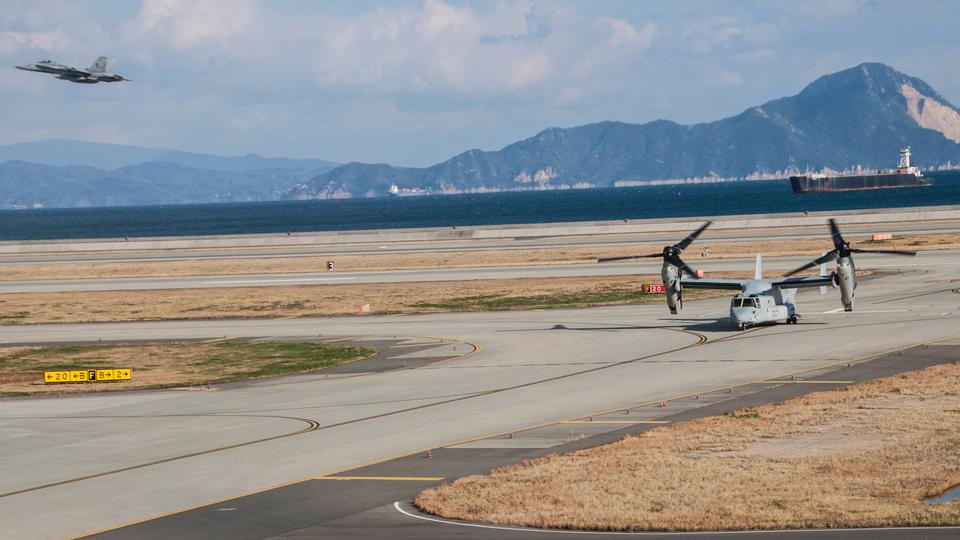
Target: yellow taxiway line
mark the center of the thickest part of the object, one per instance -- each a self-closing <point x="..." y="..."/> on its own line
<point x="214" y="340"/>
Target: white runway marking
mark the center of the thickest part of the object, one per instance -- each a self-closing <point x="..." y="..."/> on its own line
<point x="759" y="532"/>
<point x="290" y="280"/>
<point x="840" y="310"/>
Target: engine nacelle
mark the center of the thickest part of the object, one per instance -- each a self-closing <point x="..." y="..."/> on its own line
<point x="671" y="286"/>
<point x="846" y="279"/>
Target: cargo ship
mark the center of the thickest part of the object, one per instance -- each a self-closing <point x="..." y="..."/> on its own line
<point x="396" y="191"/>
<point x="905" y="175"/>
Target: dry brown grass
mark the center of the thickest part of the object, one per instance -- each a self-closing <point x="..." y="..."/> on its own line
<point x="862" y="456"/>
<point x="393" y="261"/>
<point x="323" y="300"/>
<point x="165" y="365"/>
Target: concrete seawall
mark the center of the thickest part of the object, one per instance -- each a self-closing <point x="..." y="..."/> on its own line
<point x="493" y="232"/>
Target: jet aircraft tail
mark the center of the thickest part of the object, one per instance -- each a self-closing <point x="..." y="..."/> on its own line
<point x="102" y="65"/>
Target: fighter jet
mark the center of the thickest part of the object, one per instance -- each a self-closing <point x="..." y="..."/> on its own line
<point x="100" y="71"/>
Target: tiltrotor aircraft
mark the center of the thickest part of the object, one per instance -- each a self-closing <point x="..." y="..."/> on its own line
<point x="100" y="71"/>
<point x="761" y="301"/>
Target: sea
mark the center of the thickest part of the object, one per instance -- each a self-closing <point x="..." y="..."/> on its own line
<point x="601" y="204"/>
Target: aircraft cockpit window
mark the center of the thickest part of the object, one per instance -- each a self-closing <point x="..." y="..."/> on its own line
<point x="744" y="302"/>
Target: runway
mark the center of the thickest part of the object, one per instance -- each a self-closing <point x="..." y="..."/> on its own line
<point x="74" y="465"/>
<point x="440" y="246"/>
<point x="772" y="266"/>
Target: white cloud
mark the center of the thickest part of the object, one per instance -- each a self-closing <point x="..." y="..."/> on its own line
<point x="704" y="35"/>
<point x="722" y="77"/>
<point x="414" y="81"/>
<point x="623" y="36"/>
<point x="440" y="48"/>
<point x="49" y="29"/>
<point x="44" y="41"/>
<point x="759" y="56"/>
<point x="183" y="24"/>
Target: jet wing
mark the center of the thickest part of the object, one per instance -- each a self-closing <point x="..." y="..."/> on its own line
<point x="74" y="72"/>
<point x="801" y="282"/>
<point x="723" y="284"/>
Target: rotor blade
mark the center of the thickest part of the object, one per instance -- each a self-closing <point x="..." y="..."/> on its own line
<point x="835" y="233"/>
<point x="628" y="257"/>
<point x="826" y="257"/>
<point x="890" y="251"/>
<point x="678" y="262"/>
<point x="682" y="245"/>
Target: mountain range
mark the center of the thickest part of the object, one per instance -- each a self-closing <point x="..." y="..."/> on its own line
<point x="62" y="152"/>
<point x="64" y="173"/>
<point x="860" y="116"/>
<point x="856" y="117"/>
<point x="24" y="184"/>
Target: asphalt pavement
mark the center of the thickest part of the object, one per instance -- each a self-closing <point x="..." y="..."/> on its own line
<point x="76" y="464"/>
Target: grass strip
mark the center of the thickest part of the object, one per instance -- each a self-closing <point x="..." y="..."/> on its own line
<point x="165" y="365"/>
<point x="860" y="456"/>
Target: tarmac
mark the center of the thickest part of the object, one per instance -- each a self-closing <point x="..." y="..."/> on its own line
<point x="772" y="267"/>
<point x="70" y="252"/>
<point x="374" y="502"/>
<point x="75" y="465"/>
<point x="476" y="390"/>
<point x="886" y="220"/>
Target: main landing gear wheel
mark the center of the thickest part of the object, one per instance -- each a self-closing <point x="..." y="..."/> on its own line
<point x="792" y="320"/>
<point x="740" y="327"/>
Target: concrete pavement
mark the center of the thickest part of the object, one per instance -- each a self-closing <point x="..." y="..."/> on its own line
<point x="62" y="254"/>
<point x="773" y="267"/>
<point x="149" y="453"/>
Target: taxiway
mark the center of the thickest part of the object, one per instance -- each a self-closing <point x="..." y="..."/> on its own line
<point x="73" y="465"/>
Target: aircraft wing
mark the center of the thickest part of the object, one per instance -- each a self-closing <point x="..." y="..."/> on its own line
<point x="723" y="284"/>
<point x="75" y="72"/>
<point x="801" y="282"/>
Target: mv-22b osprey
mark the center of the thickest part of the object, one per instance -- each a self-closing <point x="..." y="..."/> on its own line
<point x="761" y="301"/>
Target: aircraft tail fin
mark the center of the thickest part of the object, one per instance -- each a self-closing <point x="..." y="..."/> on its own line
<point x="102" y="65"/>
<point x="757" y="273"/>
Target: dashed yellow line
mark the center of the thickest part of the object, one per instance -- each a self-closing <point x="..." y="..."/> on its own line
<point x="335" y="340"/>
<point x="478" y="348"/>
<point x="214" y="340"/>
<point x="384" y="478"/>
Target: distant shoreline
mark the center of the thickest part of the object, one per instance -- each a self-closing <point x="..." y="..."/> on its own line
<point x="686" y="201"/>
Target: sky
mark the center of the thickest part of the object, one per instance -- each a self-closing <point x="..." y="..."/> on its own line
<point x="416" y="82"/>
